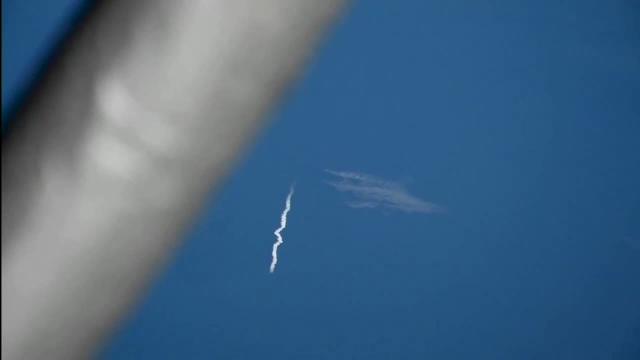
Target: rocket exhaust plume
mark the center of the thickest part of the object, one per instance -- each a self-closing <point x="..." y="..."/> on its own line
<point x="277" y="233"/>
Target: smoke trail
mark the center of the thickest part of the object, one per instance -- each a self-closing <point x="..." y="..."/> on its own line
<point x="283" y="224"/>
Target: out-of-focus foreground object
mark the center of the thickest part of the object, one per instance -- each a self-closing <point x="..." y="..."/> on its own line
<point x="105" y="166"/>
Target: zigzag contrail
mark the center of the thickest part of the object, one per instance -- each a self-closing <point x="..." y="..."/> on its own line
<point x="283" y="224"/>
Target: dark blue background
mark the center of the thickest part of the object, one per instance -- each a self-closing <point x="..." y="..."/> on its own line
<point x="521" y="118"/>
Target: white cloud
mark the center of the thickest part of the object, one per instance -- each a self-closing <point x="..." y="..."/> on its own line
<point x="371" y="192"/>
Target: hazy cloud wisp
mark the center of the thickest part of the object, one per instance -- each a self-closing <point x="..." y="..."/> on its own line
<point x="372" y="192"/>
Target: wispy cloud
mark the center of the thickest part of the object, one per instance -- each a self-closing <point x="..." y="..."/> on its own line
<point x="371" y="192"/>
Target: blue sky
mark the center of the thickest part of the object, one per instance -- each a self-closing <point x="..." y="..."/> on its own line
<point x="521" y="119"/>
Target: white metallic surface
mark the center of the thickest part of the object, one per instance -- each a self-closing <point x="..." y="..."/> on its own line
<point x="137" y="121"/>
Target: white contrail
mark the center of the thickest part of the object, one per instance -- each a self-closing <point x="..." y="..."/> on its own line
<point x="283" y="224"/>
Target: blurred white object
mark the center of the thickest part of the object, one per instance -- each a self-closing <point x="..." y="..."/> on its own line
<point x="133" y="125"/>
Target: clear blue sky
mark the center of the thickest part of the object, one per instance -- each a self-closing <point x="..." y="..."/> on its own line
<point x="522" y="119"/>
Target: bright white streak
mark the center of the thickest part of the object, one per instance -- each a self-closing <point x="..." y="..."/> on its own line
<point x="283" y="224"/>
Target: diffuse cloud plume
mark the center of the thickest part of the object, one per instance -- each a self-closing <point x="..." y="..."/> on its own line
<point x="372" y="192"/>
